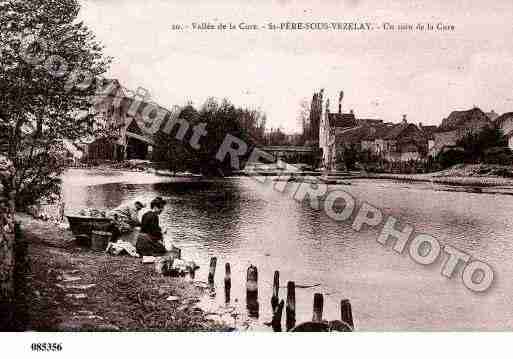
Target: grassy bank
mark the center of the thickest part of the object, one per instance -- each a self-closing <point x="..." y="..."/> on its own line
<point x="68" y="288"/>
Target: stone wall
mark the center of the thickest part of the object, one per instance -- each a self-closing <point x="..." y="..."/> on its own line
<point x="6" y="245"/>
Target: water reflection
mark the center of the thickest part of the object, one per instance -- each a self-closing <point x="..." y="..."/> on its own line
<point x="243" y="222"/>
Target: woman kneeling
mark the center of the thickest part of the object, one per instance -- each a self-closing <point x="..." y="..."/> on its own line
<point x="150" y="240"/>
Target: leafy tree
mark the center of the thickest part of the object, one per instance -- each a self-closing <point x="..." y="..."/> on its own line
<point x="47" y="65"/>
<point x="477" y="145"/>
<point x="303" y="119"/>
<point x="276" y="137"/>
<point x="451" y="157"/>
<point x="177" y="155"/>
<point x="221" y="118"/>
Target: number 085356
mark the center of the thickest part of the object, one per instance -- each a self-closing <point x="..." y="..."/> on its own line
<point x="46" y="347"/>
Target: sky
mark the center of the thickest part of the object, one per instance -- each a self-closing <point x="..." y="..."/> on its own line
<point x="384" y="74"/>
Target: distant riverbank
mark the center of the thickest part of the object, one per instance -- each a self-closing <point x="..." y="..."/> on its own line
<point x="459" y="175"/>
<point x="447" y="180"/>
<point x="475" y="175"/>
<point x="478" y="175"/>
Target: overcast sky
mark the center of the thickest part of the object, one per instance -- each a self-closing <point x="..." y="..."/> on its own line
<point x="383" y="74"/>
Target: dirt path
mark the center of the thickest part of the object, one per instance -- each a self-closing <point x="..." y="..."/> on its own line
<point x="68" y="288"/>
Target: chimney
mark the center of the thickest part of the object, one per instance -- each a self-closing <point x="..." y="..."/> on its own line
<point x="420" y="125"/>
<point x="404" y="119"/>
<point x="351" y="112"/>
<point x="340" y="97"/>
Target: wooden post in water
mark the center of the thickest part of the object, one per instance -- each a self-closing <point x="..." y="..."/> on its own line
<point x="346" y="313"/>
<point x="277" y="314"/>
<point x="192" y="273"/>
<point x="291" y="306"/>
<point x="212" y="270"/>
<point x="252" y="291"/>
<point x="227" y="282"/>
<point x="276" y="288"/>
<point x="318" y="304"/>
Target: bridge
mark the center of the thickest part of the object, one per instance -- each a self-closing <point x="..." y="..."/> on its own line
<point x="294" y="154"/>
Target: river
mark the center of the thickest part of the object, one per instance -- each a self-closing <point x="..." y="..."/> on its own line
<point x="243" y="222"/>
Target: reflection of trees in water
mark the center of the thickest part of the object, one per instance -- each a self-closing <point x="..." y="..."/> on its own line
<point x="105" y="196"/>
<point x="324" y="237"/>
<point x="202" y="211"/>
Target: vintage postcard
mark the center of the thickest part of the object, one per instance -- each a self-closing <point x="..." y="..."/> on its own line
<point x="255" y="166"/>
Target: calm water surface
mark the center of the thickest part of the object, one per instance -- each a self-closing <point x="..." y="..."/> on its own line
<point x="243" y="222"/>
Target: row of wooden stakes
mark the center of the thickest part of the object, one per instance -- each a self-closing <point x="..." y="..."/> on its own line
<point x="317" y="324"/>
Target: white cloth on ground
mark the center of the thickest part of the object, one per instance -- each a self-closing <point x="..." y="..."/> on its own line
<point x="119" y="247"/>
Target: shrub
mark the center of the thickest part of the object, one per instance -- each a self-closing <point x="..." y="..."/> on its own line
<point x="451" y="157"/>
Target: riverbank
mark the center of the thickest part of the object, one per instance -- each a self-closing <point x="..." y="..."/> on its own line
<point x="476" y="175"/>
<point x="68" y="288"/>
<point x="471" y="175"/>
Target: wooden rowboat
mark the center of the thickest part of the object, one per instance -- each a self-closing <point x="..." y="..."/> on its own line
<point x="84" y="225"/>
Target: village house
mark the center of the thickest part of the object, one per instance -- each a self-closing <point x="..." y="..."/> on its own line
<point x="331" y="127"/>
<point x="456" y="126"/>
<point x="128" y="135"/>
<point x="373" y="140"/>
<point x="404" y="142"/>
<point x="339" y="132"/>
<point x="396" y="141"/>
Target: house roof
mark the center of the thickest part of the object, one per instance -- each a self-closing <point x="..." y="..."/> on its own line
<point x="459" y="119"/>
<point x="351" y="135"/>
<point x="377" y="131"/>
<point x="429" y="131"/>
<point x="342" y="120"/>
<point x="396" y="130"/>
<point x="369" y="121"/>
<point x="143" y="126"/>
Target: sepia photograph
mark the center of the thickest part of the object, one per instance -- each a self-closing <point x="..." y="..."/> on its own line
<point x="255" y="167"/>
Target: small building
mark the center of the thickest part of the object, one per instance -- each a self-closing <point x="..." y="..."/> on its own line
<point x="404" y="142"/>
<point x="341" y="132"/>
<point x="373" y="140"/>
<point x="128" y="135"/>
<point x="332" y="128"/>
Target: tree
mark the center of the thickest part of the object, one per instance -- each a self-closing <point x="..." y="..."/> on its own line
<point x="488" y="145"/>
<point x="48" y="65"/>
<point x="176" y="154"/>
<point x="303" y="119"/>
<point x="221" y="118"/>
<point x="6" y="246"/>
<point x="451" y="157"/>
